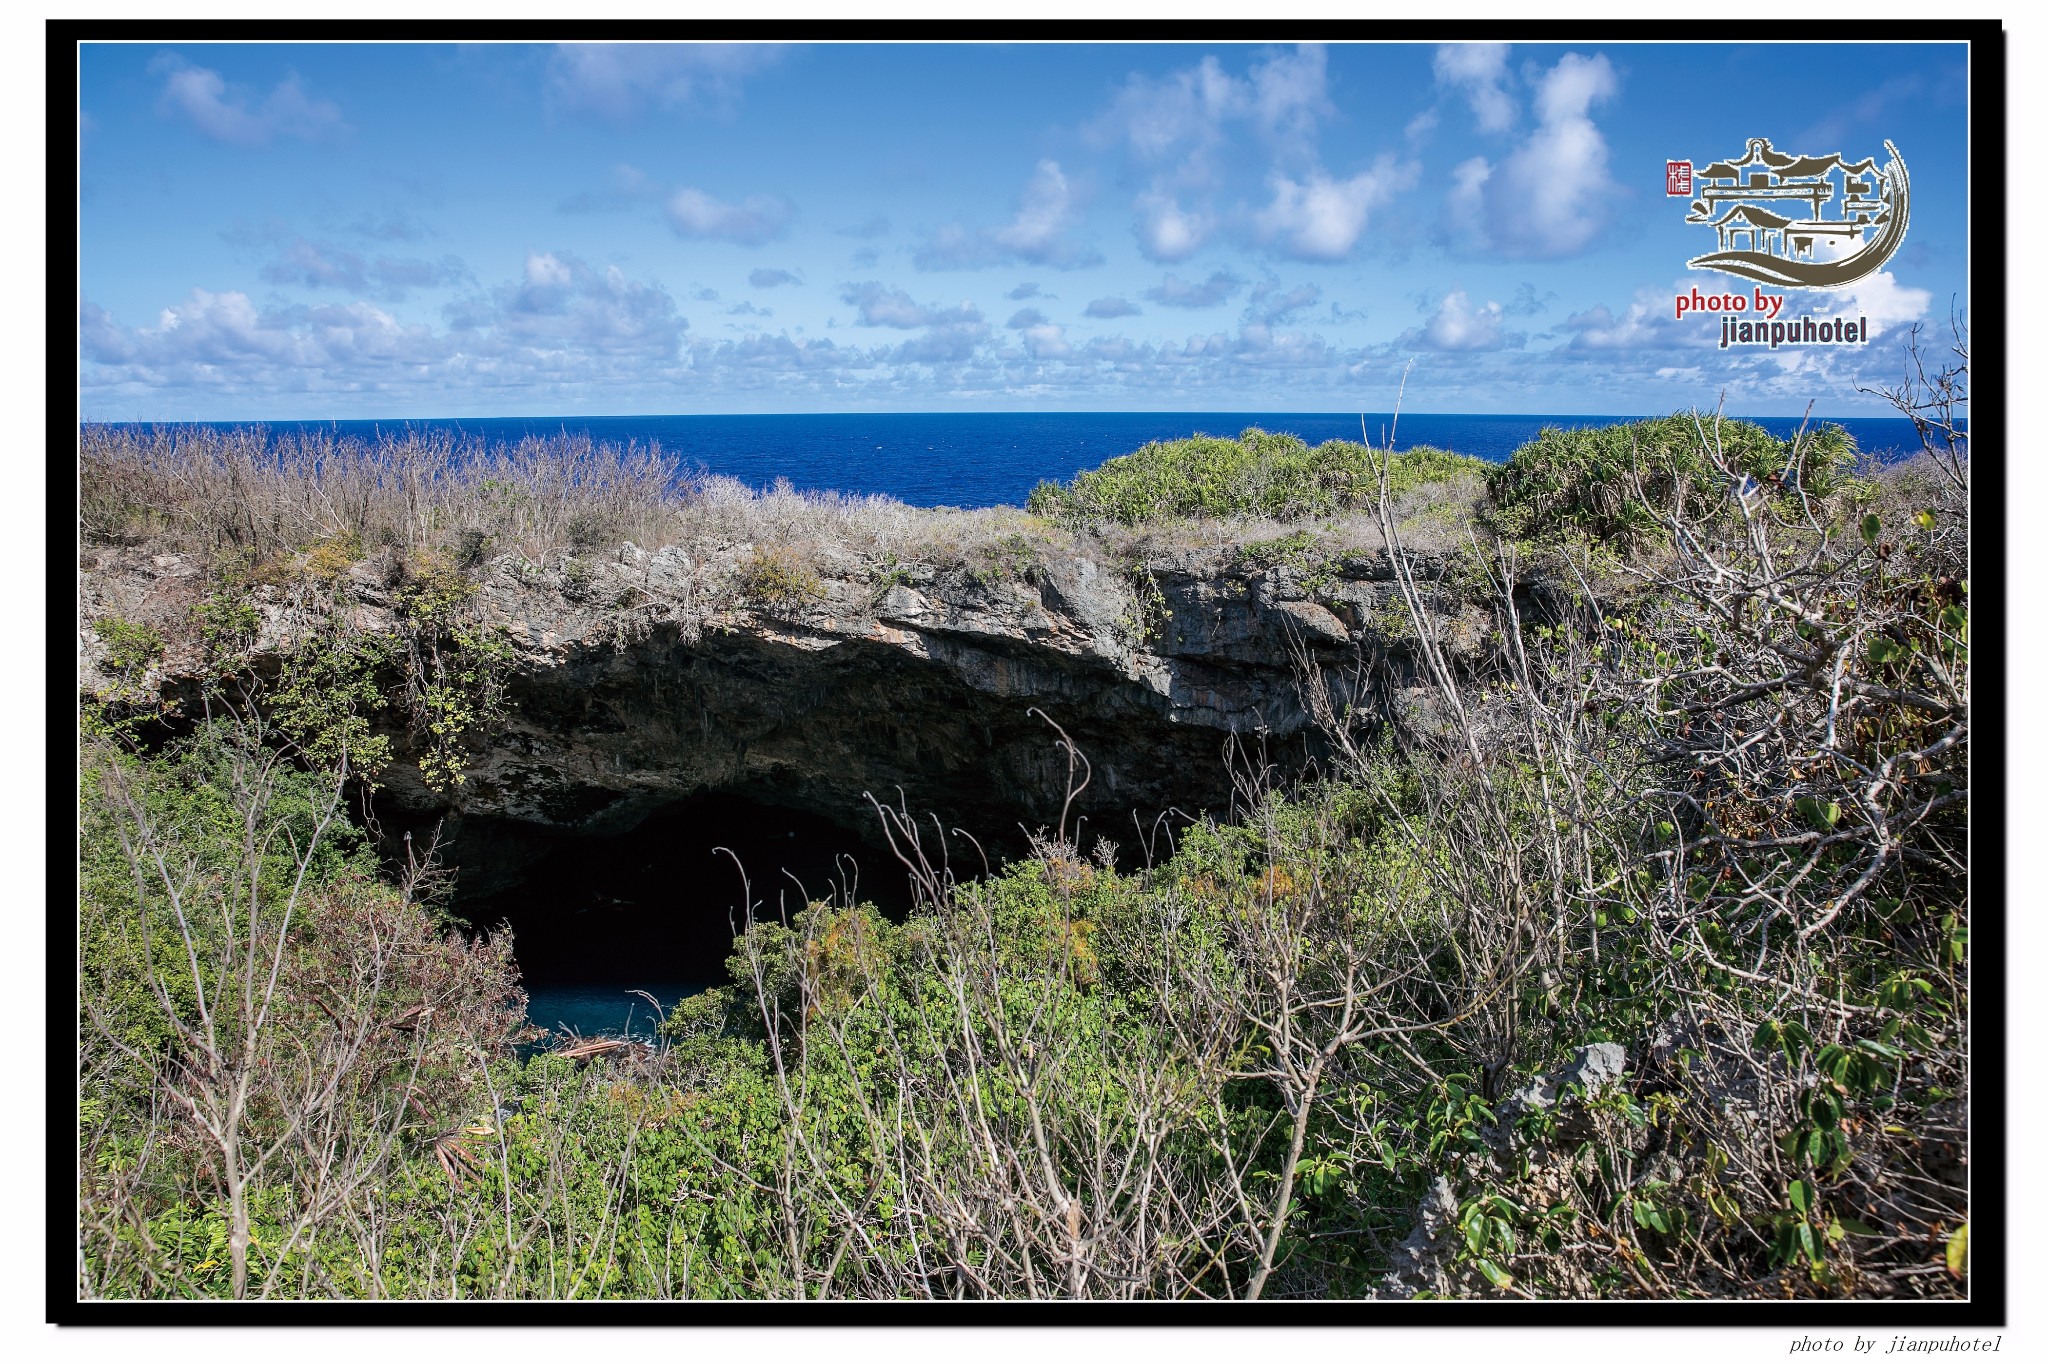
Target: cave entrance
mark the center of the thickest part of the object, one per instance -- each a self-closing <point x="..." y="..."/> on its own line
<point x="655" y="908"/>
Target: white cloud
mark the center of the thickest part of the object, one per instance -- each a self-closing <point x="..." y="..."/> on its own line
<point x="224" y="339"/>
<point x="1182" y="116"/>
<point x="560" y="323"/>
<point x="765" y="278"/>
<point x="1290" y="92"/>
<point x="760" y="218"/>
<point x="1179" y="116"/>
<point x="1046" y="342"/>
<point x="1527" y="302"/>
<point x="1255" y="356"/>
<point x="563" y="303"/>
<point x="1111" y="307"/>
<point x="760" y="353"/>
<point x="882" y="306"/>
<point x="1645" y="324"/>
<point x="225" y="115"/>
<point x="1573" y="87"/>
<point x="1459" y="326"/>
<point x="390" y="225"/>
<point x="1479" y="70"/>
<point x="546" y="271"/>
<point x="322" y="265"/>
<point x="1465" y="205"/>
<point x="1602" y="328"/>
<point x="1258" y="347"/>
<point x="1879" y="297"/>
<point x="945" y="345"/>
<point x="1320" y="218"/>
<point x="1037" y="232"/>
<point x="560" y="330"/>
<point x="620" y="80"/>
<point x="1175" y="292"/>
<point x="1269" y="305"/>
<point x="1551" y="196"/>
<point x="1048" y="211"/>
<point x="1177" y="127"/>
<point x="1167" y="233"/>
<point x="100" y="338"/>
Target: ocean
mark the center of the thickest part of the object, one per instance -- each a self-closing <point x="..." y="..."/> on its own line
<point x="984" y="459"/>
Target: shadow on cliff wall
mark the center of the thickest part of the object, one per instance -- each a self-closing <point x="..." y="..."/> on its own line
<point x="658" y="903"/>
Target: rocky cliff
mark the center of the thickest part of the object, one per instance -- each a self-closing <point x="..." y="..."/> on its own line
<point x="642" y="678"/>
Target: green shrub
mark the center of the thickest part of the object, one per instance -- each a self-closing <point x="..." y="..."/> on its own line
<point x="1259" y="473"/>
<point x="454" y="667"/>
<point x="587" y="529"/>
<point x="188" y="791"/>
<point x="1296" y="547"/>
<point x="326" y="697"/>
<point x="1579" y="482"/>
<point x="1014" y="557"/>
<point x="228" y="621"/>
<point x="579" y="580"/>
<point x="776" y="580"/>
<point x="269" y="1033"/>
<point x="330" y="559"/>
<point x="472" y="546"/>
<point x="886" y="573"/>
<point x="131" y="647"/>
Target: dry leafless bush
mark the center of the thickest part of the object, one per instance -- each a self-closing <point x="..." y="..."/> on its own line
<point x="259" y="1036"/>
<point x="311" y="505"/>
<point x="239" y="490"/>
<point x="1715" y="809"/>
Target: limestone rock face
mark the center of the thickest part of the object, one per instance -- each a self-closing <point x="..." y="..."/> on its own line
<point x="642" y="678"/>
<point x="1593" y="1067"/>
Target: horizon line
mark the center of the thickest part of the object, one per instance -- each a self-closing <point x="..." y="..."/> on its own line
<point x="976" y="412"/>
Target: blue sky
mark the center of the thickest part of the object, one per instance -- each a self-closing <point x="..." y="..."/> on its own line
<point x="311" y="231"/>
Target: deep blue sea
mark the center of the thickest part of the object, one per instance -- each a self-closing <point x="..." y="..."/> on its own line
<point x="983" y="459"/>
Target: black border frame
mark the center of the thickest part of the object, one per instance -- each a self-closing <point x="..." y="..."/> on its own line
<point x="1988" y="162"/>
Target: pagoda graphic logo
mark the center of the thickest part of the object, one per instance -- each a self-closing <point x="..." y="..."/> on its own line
<point x="1799" y="222"/>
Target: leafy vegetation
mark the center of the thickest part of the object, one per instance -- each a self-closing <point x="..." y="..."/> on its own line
<point x="455" y="667"/>
<point x="130" y="647"/>
<point x="1616" y="484"/>
<point x="775" y="580"/>
<point x="1701" y="814"/>
<point x="1257" y="474"/>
